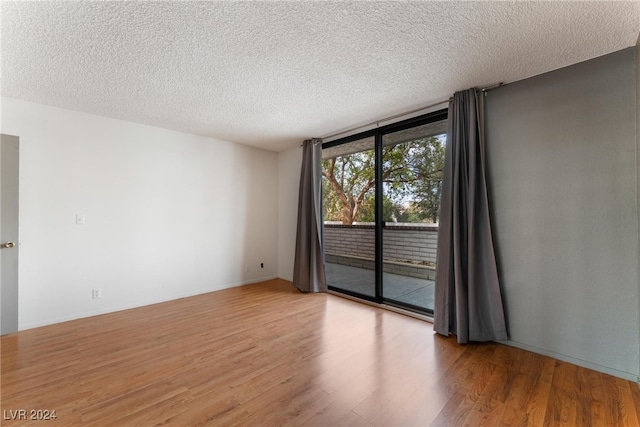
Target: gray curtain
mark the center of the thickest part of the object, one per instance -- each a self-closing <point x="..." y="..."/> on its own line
<point x="308" y="269"/>
<point x="468" y="302"/>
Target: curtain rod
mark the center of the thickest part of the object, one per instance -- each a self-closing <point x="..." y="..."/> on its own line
<point x="386" y="119"/>
<point x="492" y="87"/>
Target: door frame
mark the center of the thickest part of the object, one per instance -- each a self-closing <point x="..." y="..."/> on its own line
<point x="9" y="231"/>
<point x="378" y="134"/>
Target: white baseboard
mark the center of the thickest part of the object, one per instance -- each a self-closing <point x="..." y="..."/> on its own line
<point x="137" y="304"/>
<point x="579" y="362"/>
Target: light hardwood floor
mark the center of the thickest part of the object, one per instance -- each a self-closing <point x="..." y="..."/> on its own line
<point x="267" y="355"/>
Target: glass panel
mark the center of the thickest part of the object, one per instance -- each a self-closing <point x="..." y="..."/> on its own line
<point x="413" y="162"/>
<point x="348" y="202"/>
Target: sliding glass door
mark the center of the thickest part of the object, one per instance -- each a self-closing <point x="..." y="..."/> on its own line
<point x="381" y="197"/>
<point x="349" y="201"/>
<point x="412" y="164"/>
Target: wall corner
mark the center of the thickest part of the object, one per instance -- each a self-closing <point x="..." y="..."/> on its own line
<point x="638" y="175"/>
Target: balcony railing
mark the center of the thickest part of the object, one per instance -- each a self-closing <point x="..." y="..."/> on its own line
<point x="409" y="250"/>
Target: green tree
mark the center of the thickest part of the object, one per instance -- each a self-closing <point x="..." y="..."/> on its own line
<point x="412" y="176"/>
<point x="427" y="163"/>
<point x="348" y="180"/>
<point x="391" y="211"/>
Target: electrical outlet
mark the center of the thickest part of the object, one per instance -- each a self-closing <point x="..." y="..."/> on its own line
<point x="80" y="220"/>
<point x="96" y="293"/>
<point x="262" y="265"/>
<point x="247" y="268"/>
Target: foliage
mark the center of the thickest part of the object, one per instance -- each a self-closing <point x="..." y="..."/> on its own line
<point x="412" y="176"/>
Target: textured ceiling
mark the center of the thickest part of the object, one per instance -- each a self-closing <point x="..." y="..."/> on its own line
<point x="270" y="74"/>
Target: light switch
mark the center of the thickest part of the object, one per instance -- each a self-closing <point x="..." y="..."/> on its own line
<point x="79" y="219"/>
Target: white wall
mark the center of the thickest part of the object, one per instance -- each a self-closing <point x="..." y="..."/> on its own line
<point x="289" y="164"/>
<point x="168" y="214"/>
<point x="561" y="155"/>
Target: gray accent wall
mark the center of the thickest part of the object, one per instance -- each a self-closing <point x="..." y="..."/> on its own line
<point x="562" y="168"/>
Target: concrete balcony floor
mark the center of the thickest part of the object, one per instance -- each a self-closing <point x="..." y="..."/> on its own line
<point x="410" y="290"/>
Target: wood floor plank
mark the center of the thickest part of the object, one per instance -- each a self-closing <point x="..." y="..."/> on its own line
<point x="268" y="355"/>
<point x="635" y="398"/>
<point x="534" y="398"/>
<point x="489" y="407"/>
<point x="562" y="410"/>
<point x="439" y="399"/>
<point x="628" y="414"/>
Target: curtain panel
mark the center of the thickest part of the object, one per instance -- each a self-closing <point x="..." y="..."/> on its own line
<point x="468" y="301"/>
<point x="308" y="268"/>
